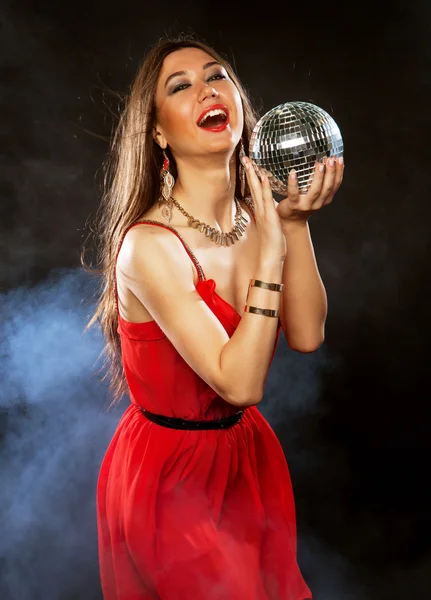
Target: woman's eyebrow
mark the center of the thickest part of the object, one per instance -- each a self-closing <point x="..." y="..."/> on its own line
<point x="178" y="73"/>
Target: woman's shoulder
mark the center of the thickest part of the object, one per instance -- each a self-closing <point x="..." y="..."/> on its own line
<point x="143" y="238"/>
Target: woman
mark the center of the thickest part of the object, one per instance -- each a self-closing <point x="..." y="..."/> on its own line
<point x="194" y="499"/>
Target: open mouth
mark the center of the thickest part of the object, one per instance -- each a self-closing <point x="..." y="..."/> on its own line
<point x="214" y="119"/>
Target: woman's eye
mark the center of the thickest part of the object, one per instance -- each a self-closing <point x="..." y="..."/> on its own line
<point x="217" y="75"/>
<point x="179" y="87"/>
<point x="183" y="85"/>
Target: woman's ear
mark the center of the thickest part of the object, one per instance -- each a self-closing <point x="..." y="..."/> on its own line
<point x="159" y="139"/>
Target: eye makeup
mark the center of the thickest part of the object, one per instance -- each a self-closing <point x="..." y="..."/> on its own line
<point x="182" y="85"/>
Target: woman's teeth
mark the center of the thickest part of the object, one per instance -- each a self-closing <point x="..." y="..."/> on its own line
<point x="214" y="113"/>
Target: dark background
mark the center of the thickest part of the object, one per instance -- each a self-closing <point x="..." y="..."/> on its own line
<point x="353" y="417"/>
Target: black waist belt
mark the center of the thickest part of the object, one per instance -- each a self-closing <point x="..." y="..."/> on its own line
<point x="174" y="423"/>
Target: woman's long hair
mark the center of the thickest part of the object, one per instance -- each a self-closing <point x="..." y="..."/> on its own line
<point x="132" y="186"/>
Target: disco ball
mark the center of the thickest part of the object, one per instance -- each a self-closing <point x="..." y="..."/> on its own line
<point x="293" y="135"/>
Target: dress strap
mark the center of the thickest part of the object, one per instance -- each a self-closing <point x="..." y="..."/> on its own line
<point x="195" y="261"/>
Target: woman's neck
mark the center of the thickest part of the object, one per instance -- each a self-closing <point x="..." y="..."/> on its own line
<point x="207" y="193"/>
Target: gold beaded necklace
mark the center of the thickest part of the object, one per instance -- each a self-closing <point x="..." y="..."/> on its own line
<point x="218" y="237"/>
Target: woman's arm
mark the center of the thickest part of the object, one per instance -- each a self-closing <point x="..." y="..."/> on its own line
<point x="155" y="267"/>
<point x="303" y="304"/>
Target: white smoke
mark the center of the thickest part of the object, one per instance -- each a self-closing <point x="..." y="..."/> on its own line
<point x="54" y="431"/>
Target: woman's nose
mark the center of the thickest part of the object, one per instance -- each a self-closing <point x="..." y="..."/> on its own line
<point x="208" y="90"/>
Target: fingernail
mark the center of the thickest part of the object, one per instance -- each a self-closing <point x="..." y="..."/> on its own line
<point x="245" y="162"/>
<point x="292" y="174"/>
<point x="321" y="168"/>
<point x="340" y="160"/>
<point x="331" y="162"/>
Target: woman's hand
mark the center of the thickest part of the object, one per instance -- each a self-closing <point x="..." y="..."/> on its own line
<point x="268" y="224"/>
<point x="299" y="207"/>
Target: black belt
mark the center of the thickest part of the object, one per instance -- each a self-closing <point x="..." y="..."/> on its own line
<point x="174" y="423"/>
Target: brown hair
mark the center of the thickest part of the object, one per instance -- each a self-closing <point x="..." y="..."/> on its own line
<point x="131" y="186"/>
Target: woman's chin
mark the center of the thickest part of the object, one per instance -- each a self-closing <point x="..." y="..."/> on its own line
<point x="227" y="139"/>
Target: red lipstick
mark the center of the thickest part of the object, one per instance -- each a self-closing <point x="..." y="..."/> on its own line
<point x="213" y="107"/>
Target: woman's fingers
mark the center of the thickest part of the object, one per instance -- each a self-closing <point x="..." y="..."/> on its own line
<point x="292" y="187"/>
<point x="317" y="183"/>
<point x="254" y="184"/>
<point x="305" y="200"/>
<point x="266" y="190"/>
<point x="327" y="178"/>
<point x="331" y="183"/>
<point x="339" y="171"/>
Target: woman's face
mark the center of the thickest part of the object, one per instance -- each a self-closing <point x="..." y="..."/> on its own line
<point x="181" y="100"/>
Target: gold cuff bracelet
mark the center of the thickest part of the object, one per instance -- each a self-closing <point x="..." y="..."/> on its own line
<point x="275" y="287"/>
<point x="266" y="312"/>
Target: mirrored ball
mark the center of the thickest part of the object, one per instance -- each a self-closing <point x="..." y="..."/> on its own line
<point x="294" y="135"/>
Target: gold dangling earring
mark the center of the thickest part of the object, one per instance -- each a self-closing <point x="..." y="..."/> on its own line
<point x="242" y="169"/>
<point x="168" y="183"/>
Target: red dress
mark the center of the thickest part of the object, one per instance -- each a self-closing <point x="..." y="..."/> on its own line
<point x="192" y="515"/>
